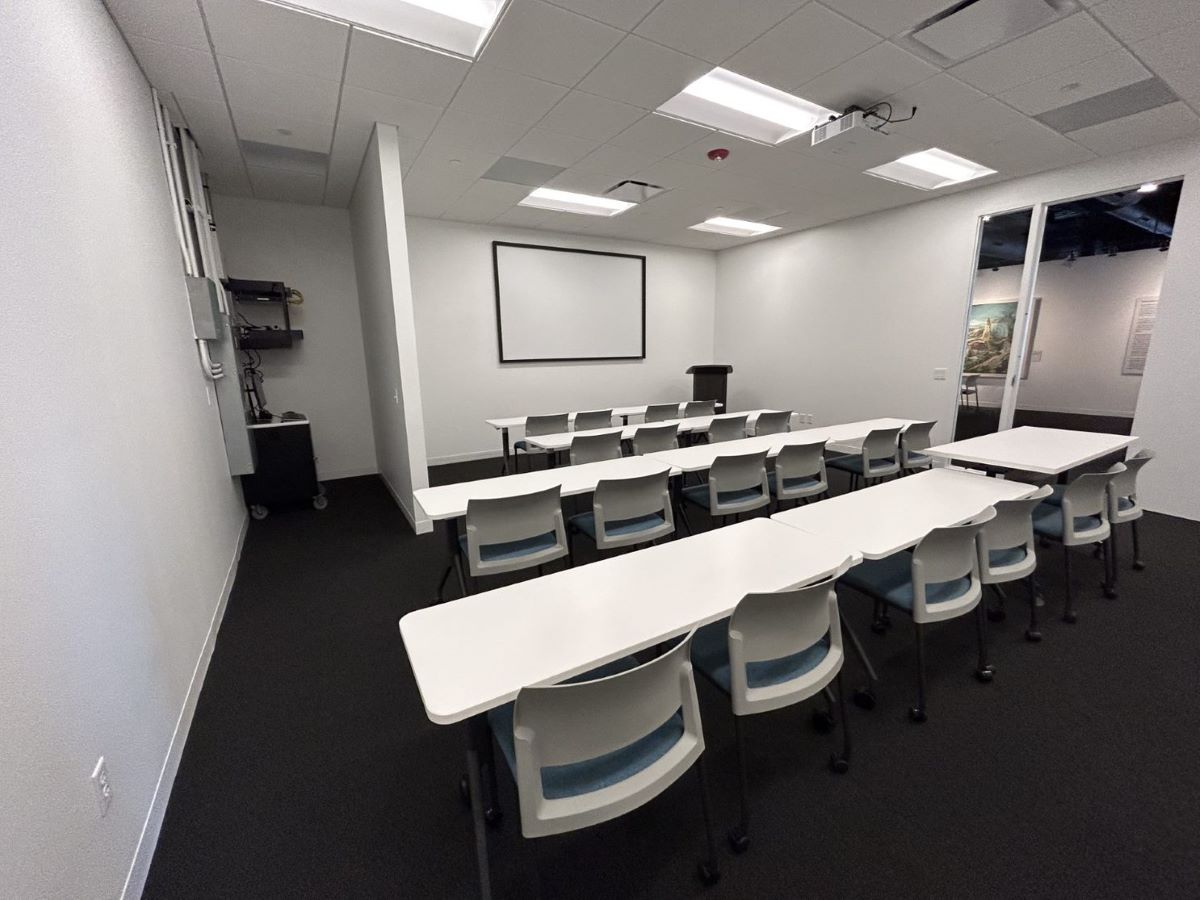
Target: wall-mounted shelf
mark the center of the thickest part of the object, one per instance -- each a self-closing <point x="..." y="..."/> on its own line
<point x="251" y="337"/>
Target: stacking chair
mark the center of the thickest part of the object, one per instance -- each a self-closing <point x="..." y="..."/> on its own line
<point x="776" y="650"/>
<point x="1123" y="504"/>
<point x="585" y="752"/>
<point x="879" y="458"/>
<point x="913" y="439"/>
<point x="939" y="580"/>
<point x="799" y="472"/>
<point x="627" y="511"/>
<point x="586" y="448"/>
<point x="598" y="418"/>
<point x="726" y="428"/>
<point x="662" y="412"/>
<point x="507" y="534"/>
<point x="968" y="388"/>
<point x="699" y="408"/>
<point x="1006" y="553"/>
<point x="773" y="423"/>
<point x="736" y="484"/>
<point x="535" y="425"/>
<point x="1080" y="518"/>
<point x="653" y="438"/>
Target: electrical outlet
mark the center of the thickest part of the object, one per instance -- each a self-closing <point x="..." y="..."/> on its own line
<point x="939" y="374"/>
<point x="102" y="785"/>
<point x="396" y="396"/>
<point x="1037" y="355"/>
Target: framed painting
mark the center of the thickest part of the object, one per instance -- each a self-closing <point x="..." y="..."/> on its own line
<point x="990" y="330"/>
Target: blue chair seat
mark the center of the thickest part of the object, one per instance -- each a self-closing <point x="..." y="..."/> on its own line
<point x="1048" y="521"/>
<point x="918" y="459"/>
<point x="512" y="549"/>
<point x="890" y="579"/>
<point x="710" y="654"/>
<point x="793" y="484"/>
<point x="602" y="771"/>
<point x="854" y="463"/>
<point x="1124" y="503"/>
<point x="524" y="445"/>
<point x="586" y="522"/>
<point x="1000" y="559"/>
<point x="698" y="494"/>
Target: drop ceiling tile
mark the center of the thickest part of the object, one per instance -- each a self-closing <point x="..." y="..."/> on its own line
<point x="1134" y="20"/>
<point x="270" y="127"/>
<point x="438" y="162"/>
<point x="615" y="162"/>
<point x="642" y="73"/>
<point x="428" y="196"/>
<point x="471" y="131"/>
<point x="672" y="174"/>
<point x="659" y="135"/>
<point x="509" y="96"/>
<point x="624" y="14"/>
<point x="1173" y="57"/>
<point x="872" y="75"/>
<point x="1057" y="46"/>
<point x="230" y="180"/>
<point x="582" y="182"/>
<point x="283" y="39"/>
<point x="484" y="200"/>
<point x="521" y="217"/>
<point x="1028" y="147"/>
<point x="805" y="44"/>
<point x="552" y="148"/>
<point x="890" y="17"/>
<point x="588" y="116"/>
<point x="182" y="71"/>
<point x="209" y="121"/>
<point x="361" y="109"/>
<point x="403" y="70"/>
<point x="1078" y="82"/>
<point x="713" y="29"/>
<point x="1154" y="126"/>
<point x="169" y="21"/>
<point x="252" y="88"/>
<point x="289" y="187"/>
<point x="548" y="42"/>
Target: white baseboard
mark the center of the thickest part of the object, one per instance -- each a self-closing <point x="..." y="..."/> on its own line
<point x="465" y="457"/>
<point x="139" y="869"/>
<point x="422" y="527"/>
<point x="349" y="473"/>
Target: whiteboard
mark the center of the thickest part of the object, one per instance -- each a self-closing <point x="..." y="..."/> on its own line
<point x="562" y="304"/>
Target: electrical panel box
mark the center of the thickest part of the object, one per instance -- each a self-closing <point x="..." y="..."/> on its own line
<point x="206" y="307"/>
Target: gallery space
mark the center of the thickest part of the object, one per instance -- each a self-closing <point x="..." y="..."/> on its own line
<point x="595" y="448"/>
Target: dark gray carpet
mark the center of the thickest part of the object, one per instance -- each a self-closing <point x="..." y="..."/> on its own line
<point x="311" y="770"/>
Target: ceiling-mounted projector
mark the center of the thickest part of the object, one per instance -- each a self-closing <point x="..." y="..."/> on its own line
<point x="851" y="139"/>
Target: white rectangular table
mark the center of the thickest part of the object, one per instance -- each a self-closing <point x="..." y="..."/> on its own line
<point x="844" y="438"/>
<point x="694" y="424"/>
<point x="503" y="424"/>
<point x="474" y="654"/>
<point x="1047" y="451"/>
<point x="887" y="518"/>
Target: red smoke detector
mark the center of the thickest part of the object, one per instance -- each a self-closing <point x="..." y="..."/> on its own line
<point x="718" y="155"/>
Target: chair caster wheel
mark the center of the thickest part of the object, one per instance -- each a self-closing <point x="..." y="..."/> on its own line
<point x="710" y="875"/>
<point x="985" y="675"/>
<point x="739" y="841"/>
<point x="1138" y="565"/>
<point x="493" y="814"/>
<point x="840" y="765"/>
<point x="1070" y="618"/>
<point x="864" y="698"/>
<point x="996" y="614"/>
<point x="823" y="721"/>
<point x="917" y="714"/>
<point x="1032" y="636"/>
<point x="879" y="627"/>
<point x="1110" y="593"/>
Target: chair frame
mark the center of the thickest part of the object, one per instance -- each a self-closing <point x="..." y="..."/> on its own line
<point x="717" y="472"/>
<point x="502" y="514"/>
<point x="1124" y="485"/>
<point x="736" y="424"/>
<point x="594" y="441"/>
<point x="611" y="502"/>
<point x="535" y="425"/>
<point x="1012" y="528"/>
<point x="780" y="416"/>
<point x="872" y="444"/>
<point x="603" y="419"/>
<point x="922" y="432"/>
<point x="653" y="431"/>
<point x="781" y="464"/>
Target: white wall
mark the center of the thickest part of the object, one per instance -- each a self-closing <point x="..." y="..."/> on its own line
<point x="461" y="376"/>
<point x="850" y="319"/>
<point x="381" y="259"/>
<point x="1083" y="325"/>
<point x="324" y="375"/>
<point x="121" y="525"/>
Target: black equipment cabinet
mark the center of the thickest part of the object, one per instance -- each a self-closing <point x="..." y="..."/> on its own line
<point x="710" y="382"/>
<point x="286" y="473"/>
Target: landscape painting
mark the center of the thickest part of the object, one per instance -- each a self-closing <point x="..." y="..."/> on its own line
<point x="990" y="332"/>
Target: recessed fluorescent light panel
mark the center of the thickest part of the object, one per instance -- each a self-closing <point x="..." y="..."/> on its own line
<point x="583" y="204"/>
<point x="738" y="105"/>
<point x="930" y="169"/>
<point x="458" y="26"/>
<point x="734" y="227"/>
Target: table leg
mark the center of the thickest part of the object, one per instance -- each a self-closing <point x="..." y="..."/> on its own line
<point x="477" y="736"/>
<point x="504" y="469"/>
<point x="863" y="697"/>
<point x="454" y="563"/>
<point x="676" y="487"/>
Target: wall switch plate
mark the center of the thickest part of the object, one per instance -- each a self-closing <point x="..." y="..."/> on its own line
<point x="1037" y="355"/>
<point x="939" y="374"/>
<point x="103" y="788"/>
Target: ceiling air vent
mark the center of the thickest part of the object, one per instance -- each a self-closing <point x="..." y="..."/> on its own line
<point x="973" y="26"/>
<point x="633" y="191"/>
